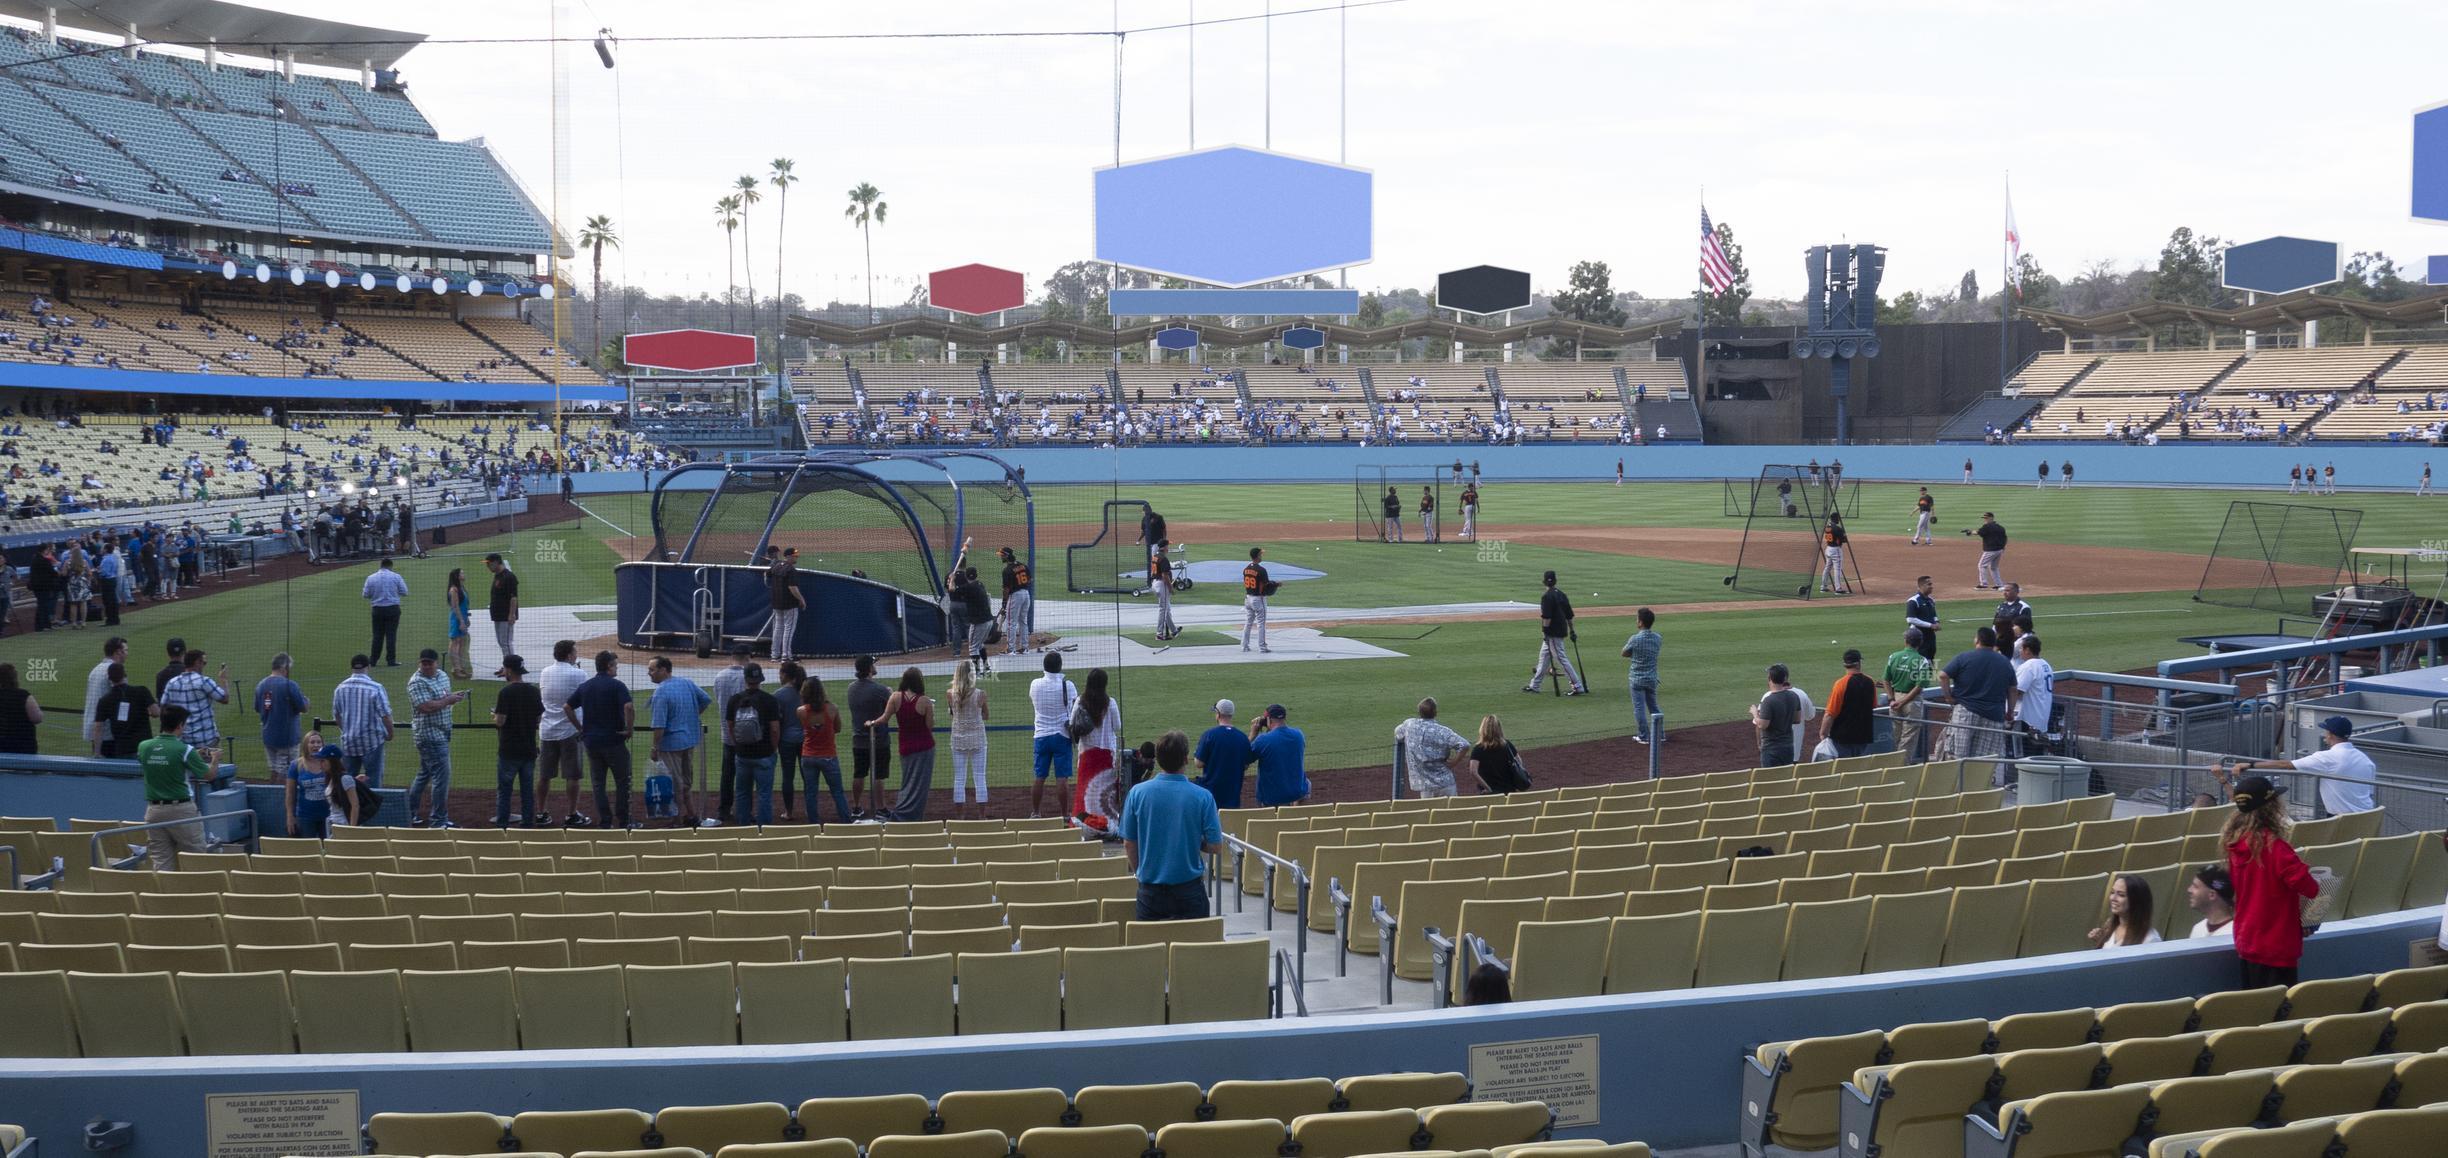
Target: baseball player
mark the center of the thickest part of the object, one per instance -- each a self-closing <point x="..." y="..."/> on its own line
<point x="1391" y="504"/>
<point x="2044" y="473"/>
<point x="2294" y="477"/>
<point x="1993" y="552"/>
<point x="1555" y="628"/>
<point x="1470" y="512"/>
<point x="2329" y="477"/>
<point x="1160" y="576"/>
<point x="1832" y="538"/>
<point x="1967" y="470"/>
<point x="1921" y="613"/>
<point x="1019" y="600"/>
<point x="2424" y="487"/>
<point x="1427" y="513"/>
<point x="1619" y="472"/>
<point x="1924" y="509"/>
<point x="1255" y="587"/>
<point x="2065" y="475"/>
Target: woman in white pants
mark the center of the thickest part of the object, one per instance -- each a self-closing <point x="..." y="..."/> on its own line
<point x="968" y="702"/>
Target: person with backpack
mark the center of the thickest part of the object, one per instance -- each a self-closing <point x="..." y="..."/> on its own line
<point x="752" y="727"/>
<point x="1495" y="761"/>
<point x="913" y="711"/>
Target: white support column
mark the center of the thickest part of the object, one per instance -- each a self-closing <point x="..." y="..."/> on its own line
<point x="365" y="75"/>
<point x="51" y="26"/>
<point x="288" y="65"/>
<point x="212" y="54"/>
<point x="132" y="37"/>
<point x="2312" y="333"/>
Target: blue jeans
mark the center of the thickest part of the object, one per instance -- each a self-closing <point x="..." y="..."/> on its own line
<point x="1644" y="705"/>
<point x="755" y="777"/>
<point x="433" y="771"/>
<point x="507" y="771"/>
<point x="370" y="764"/>
<point x="1053" y="755"/>
<point x="829" y="767"/>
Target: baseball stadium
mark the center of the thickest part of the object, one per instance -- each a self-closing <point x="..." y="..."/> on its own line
<point x="493" y="705"/>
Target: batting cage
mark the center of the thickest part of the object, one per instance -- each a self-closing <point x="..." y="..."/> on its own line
<point x="2278" y="556"/>
<point x="876" y="533"/>
<point x="1401" y="504"/>
<point x="1784" y="549"/>
<point x="1115" y="560"/>
<point x="1738" y="497"/>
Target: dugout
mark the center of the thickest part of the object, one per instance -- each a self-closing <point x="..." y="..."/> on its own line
<point x="877" y="533"/>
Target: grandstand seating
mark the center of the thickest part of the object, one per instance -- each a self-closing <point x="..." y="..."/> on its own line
<point x="1793" y="1090"/>
<point x="158" y="132"/>
<point x="2133" y="389"/>
<point x="1366" y="1115"/>
<point x="2419" y="381"/>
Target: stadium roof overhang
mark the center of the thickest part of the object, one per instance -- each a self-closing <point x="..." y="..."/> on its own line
<point x="2269" y="313"/>
<point x="1082" y="334"/>
<point x="235" y="27"/>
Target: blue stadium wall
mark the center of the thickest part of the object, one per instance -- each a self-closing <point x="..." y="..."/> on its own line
<point x="2359" y="464"/>
<point x="1668" y="1069"/>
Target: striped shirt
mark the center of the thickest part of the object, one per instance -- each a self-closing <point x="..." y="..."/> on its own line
<point x="429" y="727"/>
<point x="196" y="692"/>
<point x="363" y="708"/>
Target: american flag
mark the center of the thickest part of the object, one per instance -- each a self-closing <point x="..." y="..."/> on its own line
<point x="2014" y="250"/>
<point x="1715" y="271"/>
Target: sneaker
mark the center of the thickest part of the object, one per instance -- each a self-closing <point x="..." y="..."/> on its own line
<point x="1640" y="739"/>
<point x="1267" y="649"/>
<point x="1577" y="692"/>
<point x="1533" y="689"/>
<point x="631" y="825"/>
<point x="576" y="820"/>
<point x="443" y="823"/>
<point x="709" y="822"/>
<point x="417" y="823"/>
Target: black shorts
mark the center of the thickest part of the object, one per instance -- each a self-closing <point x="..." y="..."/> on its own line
<point x="876" y="763"/>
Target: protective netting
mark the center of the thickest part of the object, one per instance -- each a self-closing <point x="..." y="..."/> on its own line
<point x="1115" y="560"/>
<point x="1738" y="497"/>
<point x="1401" y="504"/>
<point x="1784" y="546"/>
<point x="2278" y="556"/>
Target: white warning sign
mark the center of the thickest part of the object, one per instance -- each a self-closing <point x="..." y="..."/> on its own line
<point x="270" y="1125"/>
<point x="1560" y="1071"/>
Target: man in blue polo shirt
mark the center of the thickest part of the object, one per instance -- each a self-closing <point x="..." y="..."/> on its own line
<point x="1281" y="752"/>
<point x="1169" y="826"/>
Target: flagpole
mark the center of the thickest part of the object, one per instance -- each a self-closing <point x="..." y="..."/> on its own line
<point x="2006" y="287"/>
<point x="1700" y="319"/>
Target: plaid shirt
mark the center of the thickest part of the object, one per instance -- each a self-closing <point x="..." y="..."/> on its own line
<point x="363" y="708"/>
<point x="196" y="692"/>
<point x="429" y="727"/>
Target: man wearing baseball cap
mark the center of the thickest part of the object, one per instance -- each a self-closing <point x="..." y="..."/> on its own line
<point x="2346" y="773"/>
<point x="1281" y="752"/>
<point x="1223" y="755"/>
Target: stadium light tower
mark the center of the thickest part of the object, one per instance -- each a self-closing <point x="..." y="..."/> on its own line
<point x="1842" y="315"/>
<point x="603" y="46"/>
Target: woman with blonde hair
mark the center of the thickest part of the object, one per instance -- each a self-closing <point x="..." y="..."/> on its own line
<point x="968" y="703"/>
<point x="80" y="586"/>
<point x="2271" y="883"/>
<point x="1495" y="761"/>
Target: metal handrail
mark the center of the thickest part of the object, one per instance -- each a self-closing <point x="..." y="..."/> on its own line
<point x="1300" y="999"/>
<point x="11" y="850"/>
<point x="94" y="846"/>
<point x="1242" y="850"/>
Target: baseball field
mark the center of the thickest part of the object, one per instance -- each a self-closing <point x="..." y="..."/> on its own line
<point x="2111" y="573"/>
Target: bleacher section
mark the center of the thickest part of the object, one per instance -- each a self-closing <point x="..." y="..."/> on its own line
<point x="159" y="132"/>
<point x="2169" y="1072"/>
<point x="1581" y="398"/>
<point x="2130" y="389"/>
<point x="531" y="349"/>
<point x="2254" y="387"/>
<point x="2418" y="382"/>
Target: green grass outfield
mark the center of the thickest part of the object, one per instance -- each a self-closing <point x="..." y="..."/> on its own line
<point x="1347" y="707"/>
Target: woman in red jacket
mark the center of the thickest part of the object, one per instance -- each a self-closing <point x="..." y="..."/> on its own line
<point x="2271" y="884"/>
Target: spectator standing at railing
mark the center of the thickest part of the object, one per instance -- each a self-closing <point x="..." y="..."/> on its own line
<point x="2347" y="774"/>
<point x="364" y="712"/>
<point x="1849" y="726"/>
<point x="1981" y="683"/>
<point x="98" y="684"/>
<point x="1433" y="754"/>
<point x="675" y="713"/>
<point x="1281" y="752"/>
<point x="431" y="699"/>
<point x="1906" y="676"/>
<point x="196" y="693"/>
<point x="2271" y="881"/>
<point x="279" y="703"/>
<point x="171" y="768"/>
<point x="125" y="715"/>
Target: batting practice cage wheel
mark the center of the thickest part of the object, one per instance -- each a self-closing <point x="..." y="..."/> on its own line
<point x="1369" y="485"/>
<point x="1782" y="553"/>
<point x="877" y="533"/>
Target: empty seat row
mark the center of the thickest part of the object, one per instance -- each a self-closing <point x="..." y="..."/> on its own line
<point x="2378" y="1106"/>
<point x="76" y="1014"/>
<point x="367" y="876"/>
<point x="1790" y="1087"/>
<point x="354" y="895"/>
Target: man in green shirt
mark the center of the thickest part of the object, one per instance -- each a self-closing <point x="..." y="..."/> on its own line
<point x="1907" y="673"/>
<point x="170" y="766"/>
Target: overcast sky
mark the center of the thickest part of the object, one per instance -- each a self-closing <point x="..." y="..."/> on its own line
<point x="1530" y="133"/>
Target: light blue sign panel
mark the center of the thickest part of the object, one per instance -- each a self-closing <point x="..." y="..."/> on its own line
<point x="1176" y="338"/>
<point x="2282" y="265"/>
<point x="1304" y="338"/>
<point x="1281" y="303"/>
<point x="2431" y="164"/>
<point x="1233" y="216"/>
<point x="2438" y="274"/>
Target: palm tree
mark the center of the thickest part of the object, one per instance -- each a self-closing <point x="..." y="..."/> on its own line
<point x="781" y="178"/>
<point x="745" y="190"/>
<point x="727" y="215"/>
<point x="597" y="233"/>
<point x="867" y="206"/>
